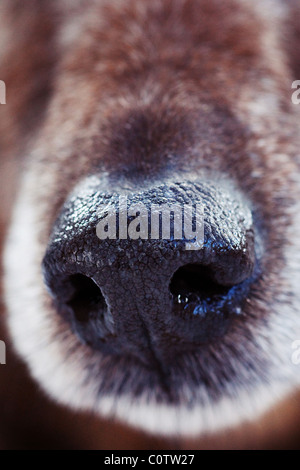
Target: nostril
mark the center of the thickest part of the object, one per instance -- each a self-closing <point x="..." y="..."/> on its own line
<point x="81" y="302"/>
<point x="194" y="281"/>
<point x="87" y="299"/>
<point x="197" y="295"/>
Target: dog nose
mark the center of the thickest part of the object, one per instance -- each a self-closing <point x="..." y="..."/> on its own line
<point x="160" y="270"/>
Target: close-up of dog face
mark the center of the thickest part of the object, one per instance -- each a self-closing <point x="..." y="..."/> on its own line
<point x="116" y="107"/>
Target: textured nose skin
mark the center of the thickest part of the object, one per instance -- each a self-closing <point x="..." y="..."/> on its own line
<point x="151" y="297"/>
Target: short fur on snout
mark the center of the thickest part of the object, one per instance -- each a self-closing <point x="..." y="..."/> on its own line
<point x="135" y="91"/>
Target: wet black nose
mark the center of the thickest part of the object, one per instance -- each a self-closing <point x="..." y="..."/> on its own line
<point x="158" y="270"/>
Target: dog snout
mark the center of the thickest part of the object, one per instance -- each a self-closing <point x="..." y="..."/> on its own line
<point x="139" y="274"/>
